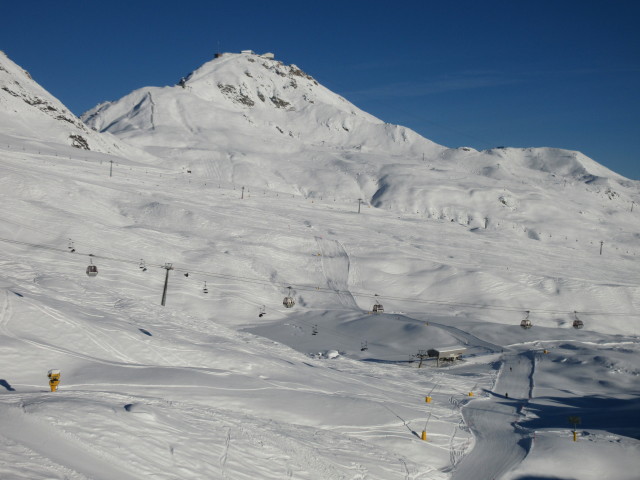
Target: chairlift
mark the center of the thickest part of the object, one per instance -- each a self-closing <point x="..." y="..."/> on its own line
<point x="363" y="346"/>
<point x="205" y="289"/>
<point x="262" y="311"/>
<point x="143" y="265"/>
<point x="377" y="307"/>
<point x="71" y="246"/>
<point x="314" y="331"/>
<point x="288" y="301"/>
<point x="92" y="270"/>
<point x="526" y="323"/>
<point x="577" y="323"/>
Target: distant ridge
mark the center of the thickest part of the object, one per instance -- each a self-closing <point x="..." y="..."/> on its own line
<point x="27" y="110"/>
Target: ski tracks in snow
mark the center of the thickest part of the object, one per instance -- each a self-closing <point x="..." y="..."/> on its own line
<point x="335" y="268"/>
<point x="499" y="445"/>
<point x="98" y="341"/>
<point x="63" y="452"/>
<point x="225" y="453"/>
<point x="5" y="314"/>
<point x="459" y="449"/>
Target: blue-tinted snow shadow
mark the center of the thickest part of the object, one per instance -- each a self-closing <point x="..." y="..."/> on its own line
<point x="6" y="385"/>
<point x="506" y="397"/>
<point x="618" y="416"/>
<point x="389" y="362"/>
<point x="538" y="477"/>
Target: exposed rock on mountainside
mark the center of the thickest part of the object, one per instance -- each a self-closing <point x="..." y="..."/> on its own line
<point x="28" y="110"/>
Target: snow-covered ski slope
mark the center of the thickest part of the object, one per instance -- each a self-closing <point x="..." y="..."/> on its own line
<point x="457" y="246"/>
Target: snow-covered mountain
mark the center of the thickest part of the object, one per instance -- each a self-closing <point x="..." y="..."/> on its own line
<point x="28" y="111"/>
<point x="228" y="211"/>
<point x="247" y="96"/>
<point x="246" y="119"/>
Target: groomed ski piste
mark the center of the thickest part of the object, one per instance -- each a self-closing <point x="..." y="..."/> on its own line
<point x="231" y="384"/>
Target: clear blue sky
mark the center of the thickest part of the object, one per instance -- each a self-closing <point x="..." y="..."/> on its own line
<point x="478" y="73"/>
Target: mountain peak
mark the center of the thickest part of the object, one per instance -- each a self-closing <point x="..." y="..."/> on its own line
<point x="251" y="80"/>
<point x="250" y="96"/>
<point x="248" y="59"/>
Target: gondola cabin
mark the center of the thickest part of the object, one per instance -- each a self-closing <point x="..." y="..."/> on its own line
<point x="377" y="307"/>
<point x="526" y="323"/>
<point x="92" y="270"/>
<point x="577" y="323"/>
<point x="288" y="301"/>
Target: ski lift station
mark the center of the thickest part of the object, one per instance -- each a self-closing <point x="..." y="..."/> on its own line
<point x="446" y="354"/>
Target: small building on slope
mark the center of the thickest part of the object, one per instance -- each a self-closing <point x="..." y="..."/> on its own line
<point x="447" y="354"/>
